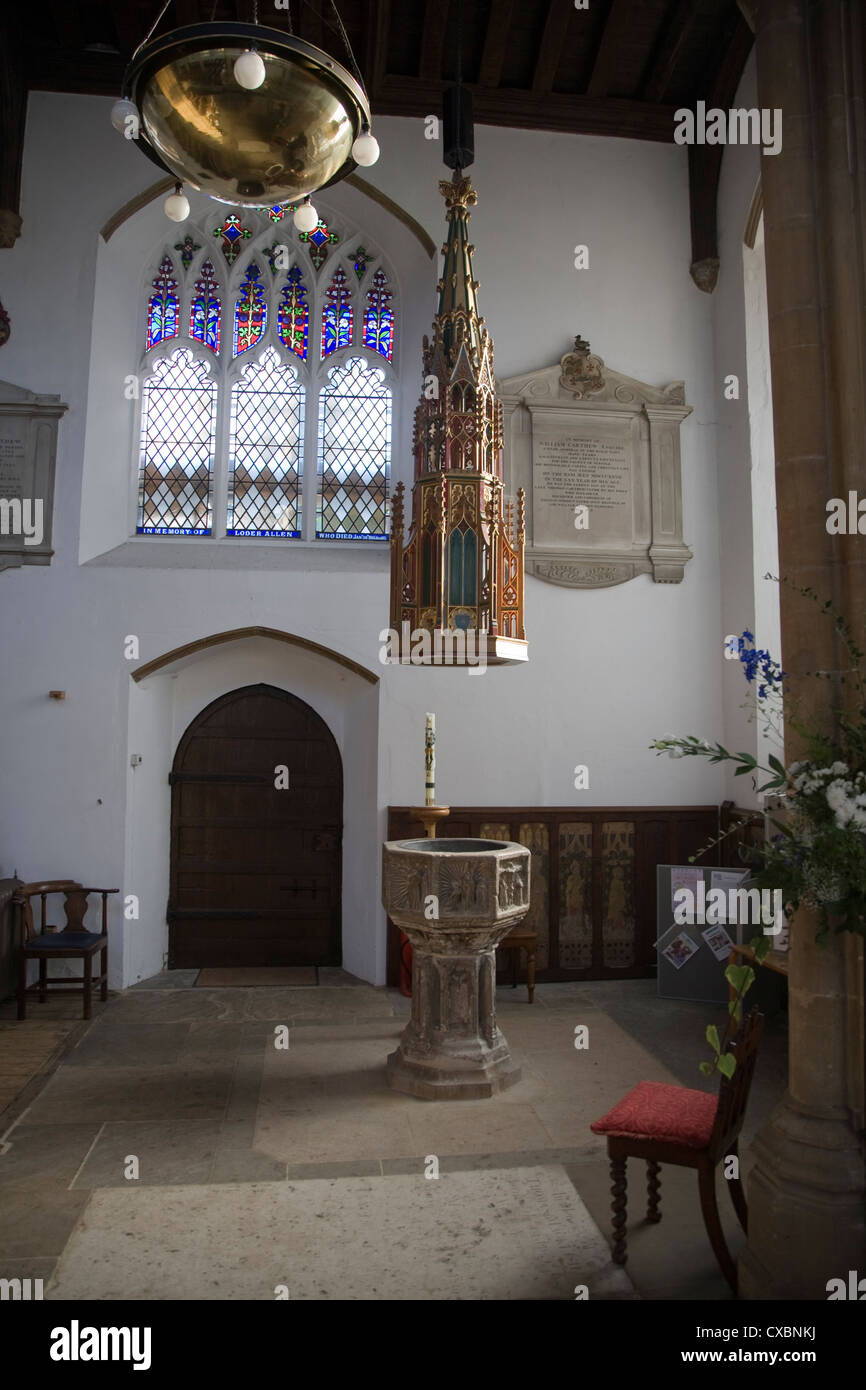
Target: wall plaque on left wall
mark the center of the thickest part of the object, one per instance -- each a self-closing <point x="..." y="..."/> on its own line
<point x="28" y="455"/>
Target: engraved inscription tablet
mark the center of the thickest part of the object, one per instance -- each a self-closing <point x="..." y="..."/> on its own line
<point x="571" y="471"/>
<point x="28" y="450"/>
<point x="598" y="454"/>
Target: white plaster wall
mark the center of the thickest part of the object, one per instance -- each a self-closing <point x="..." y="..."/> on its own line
<point x="746" y="492"/>
<point x="609" y="669"/>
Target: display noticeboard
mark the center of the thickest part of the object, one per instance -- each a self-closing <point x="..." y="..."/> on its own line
<point x="692" y="957"/>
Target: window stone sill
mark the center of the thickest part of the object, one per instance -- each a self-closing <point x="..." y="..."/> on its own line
<point x="201" y="552"/>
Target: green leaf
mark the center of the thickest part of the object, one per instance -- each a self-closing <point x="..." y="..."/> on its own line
<point x="735" y="1009"/>
<point x="727" y="1063"/>
<point x="740" y="977"/>
<point x="707" y="1068"/>
<point x="713" y="1037"/>
<point x="776" y="765"/>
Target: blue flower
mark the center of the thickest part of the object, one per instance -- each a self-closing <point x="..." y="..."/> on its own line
<point x="749" y="636"/>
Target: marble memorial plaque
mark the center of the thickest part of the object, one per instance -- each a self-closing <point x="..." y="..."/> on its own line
<point x="574" y="470"/>
<point x="598" y="455"/>
<point x="28" y="452"/>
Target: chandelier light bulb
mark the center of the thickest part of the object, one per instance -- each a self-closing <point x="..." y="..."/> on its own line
<point x="177" y="205"/>
<point x="365" y="150"/>
<point x="306" y="219"/>
<point x="122" y="112"/>
<point x="249" y="70"/>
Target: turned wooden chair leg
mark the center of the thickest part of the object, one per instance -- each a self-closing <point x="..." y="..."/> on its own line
<point x="88" y="986"/>
<point x="710" y="1211"/>
<point x="618" y="1209"/>
<point x="530" y="974"/>
<point x="103" y="959"/>
<point x="653" y="1187"/>
<point x="22" y="984"/>
<point x="43" y="978"/>
<point x="737" y="1191"/>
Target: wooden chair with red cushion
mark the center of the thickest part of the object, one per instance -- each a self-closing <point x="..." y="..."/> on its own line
<point x="74" y="941"/>
<point x="692" y="1129"/>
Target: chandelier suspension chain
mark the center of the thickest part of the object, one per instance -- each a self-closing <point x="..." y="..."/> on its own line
<point x="153" y="26"/>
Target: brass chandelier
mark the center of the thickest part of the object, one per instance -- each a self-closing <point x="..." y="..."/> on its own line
<point x="249" y="115"/>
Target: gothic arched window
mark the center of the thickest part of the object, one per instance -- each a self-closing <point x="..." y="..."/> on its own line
<point x="204" y="312"/>
<point x="251" y="312"/>
<point x="162" y="308"/>
<point x="266" y="441"/>
<point x="178" y="433"/>
<point x="255" y="399"/>
<point x="337" y="315"/>
<point x="293" y="314"/>
<point x="379" y="317"/>
<point x="354" y="453"/>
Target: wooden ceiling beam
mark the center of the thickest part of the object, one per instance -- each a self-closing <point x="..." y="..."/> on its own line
<point x="605" y="55"/>
<point x="406" y="96"/>
<point x="377" y="45"/>
<point x="495" y="43"/>
<point x="65" y="23"/>
<point x="667" y="50"/>
<point x="433" y="39"/>
<point x="13" y="112"/>
<point x="559" y="13"/>
<point x="705" y="161"/>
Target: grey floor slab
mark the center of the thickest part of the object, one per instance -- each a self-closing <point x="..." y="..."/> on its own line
<point x="169" y="979"/>
<point x="37" y="1229"/>
<point x="34" y="1153"/>
<point x="178" y="1151"/>
<point x="76" y="1094"/>
<point x="124" y="1044"/>
<point x="519" y="1234"/>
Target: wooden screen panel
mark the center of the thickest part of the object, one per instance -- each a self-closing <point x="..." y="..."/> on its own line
<point x="593" y="885"/>
<point x="256" y="869"/>
<point x="618" y="928"/>
<point x="575" y="895"/>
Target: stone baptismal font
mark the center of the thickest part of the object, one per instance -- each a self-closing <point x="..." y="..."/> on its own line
<point x="455" y="900"/>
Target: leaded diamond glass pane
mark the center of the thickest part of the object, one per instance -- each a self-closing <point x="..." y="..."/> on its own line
<point x="178" y="429"/>
<point x="265" y="450"/>
<point x="354" y="454"/>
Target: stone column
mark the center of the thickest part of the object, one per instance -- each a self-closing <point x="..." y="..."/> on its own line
<point x="806" y="1193"/>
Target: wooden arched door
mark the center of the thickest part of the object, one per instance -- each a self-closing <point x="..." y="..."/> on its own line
<point x="255" y="868"/>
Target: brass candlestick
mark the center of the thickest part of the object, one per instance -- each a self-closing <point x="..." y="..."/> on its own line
<point x="428" y="816"/>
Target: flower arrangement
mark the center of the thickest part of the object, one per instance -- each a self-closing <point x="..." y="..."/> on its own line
<point x="816" y="853"/>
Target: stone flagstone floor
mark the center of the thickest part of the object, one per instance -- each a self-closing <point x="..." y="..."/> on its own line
<point x="259" y="1166"/>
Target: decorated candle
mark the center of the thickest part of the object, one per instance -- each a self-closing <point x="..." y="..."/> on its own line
<point x="430" y="761"/>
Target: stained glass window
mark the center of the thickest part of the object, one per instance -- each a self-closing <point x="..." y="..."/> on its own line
<point x="232" y="233"/>
<point x="354" y="453"/>
<point x="266" y="444"/>
<point x="379" y="317"/>
<point x="361" y="261"/>
<point x="251" y="312"/>
<point x="178" y="433"/>
<point x="337" y="315"/>
<point x="162" y="307"/>
<point x="187" y="249"/>
<point x="293" y="314"/>
<point x="204" y="309"/>
<point x="319" y="241"/>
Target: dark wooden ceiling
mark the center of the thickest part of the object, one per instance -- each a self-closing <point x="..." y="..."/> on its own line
<point x="617" y="67"/>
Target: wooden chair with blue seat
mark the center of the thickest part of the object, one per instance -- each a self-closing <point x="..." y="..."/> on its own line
<point x="73" y="942"/>
<point x="692" y="1129"/>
